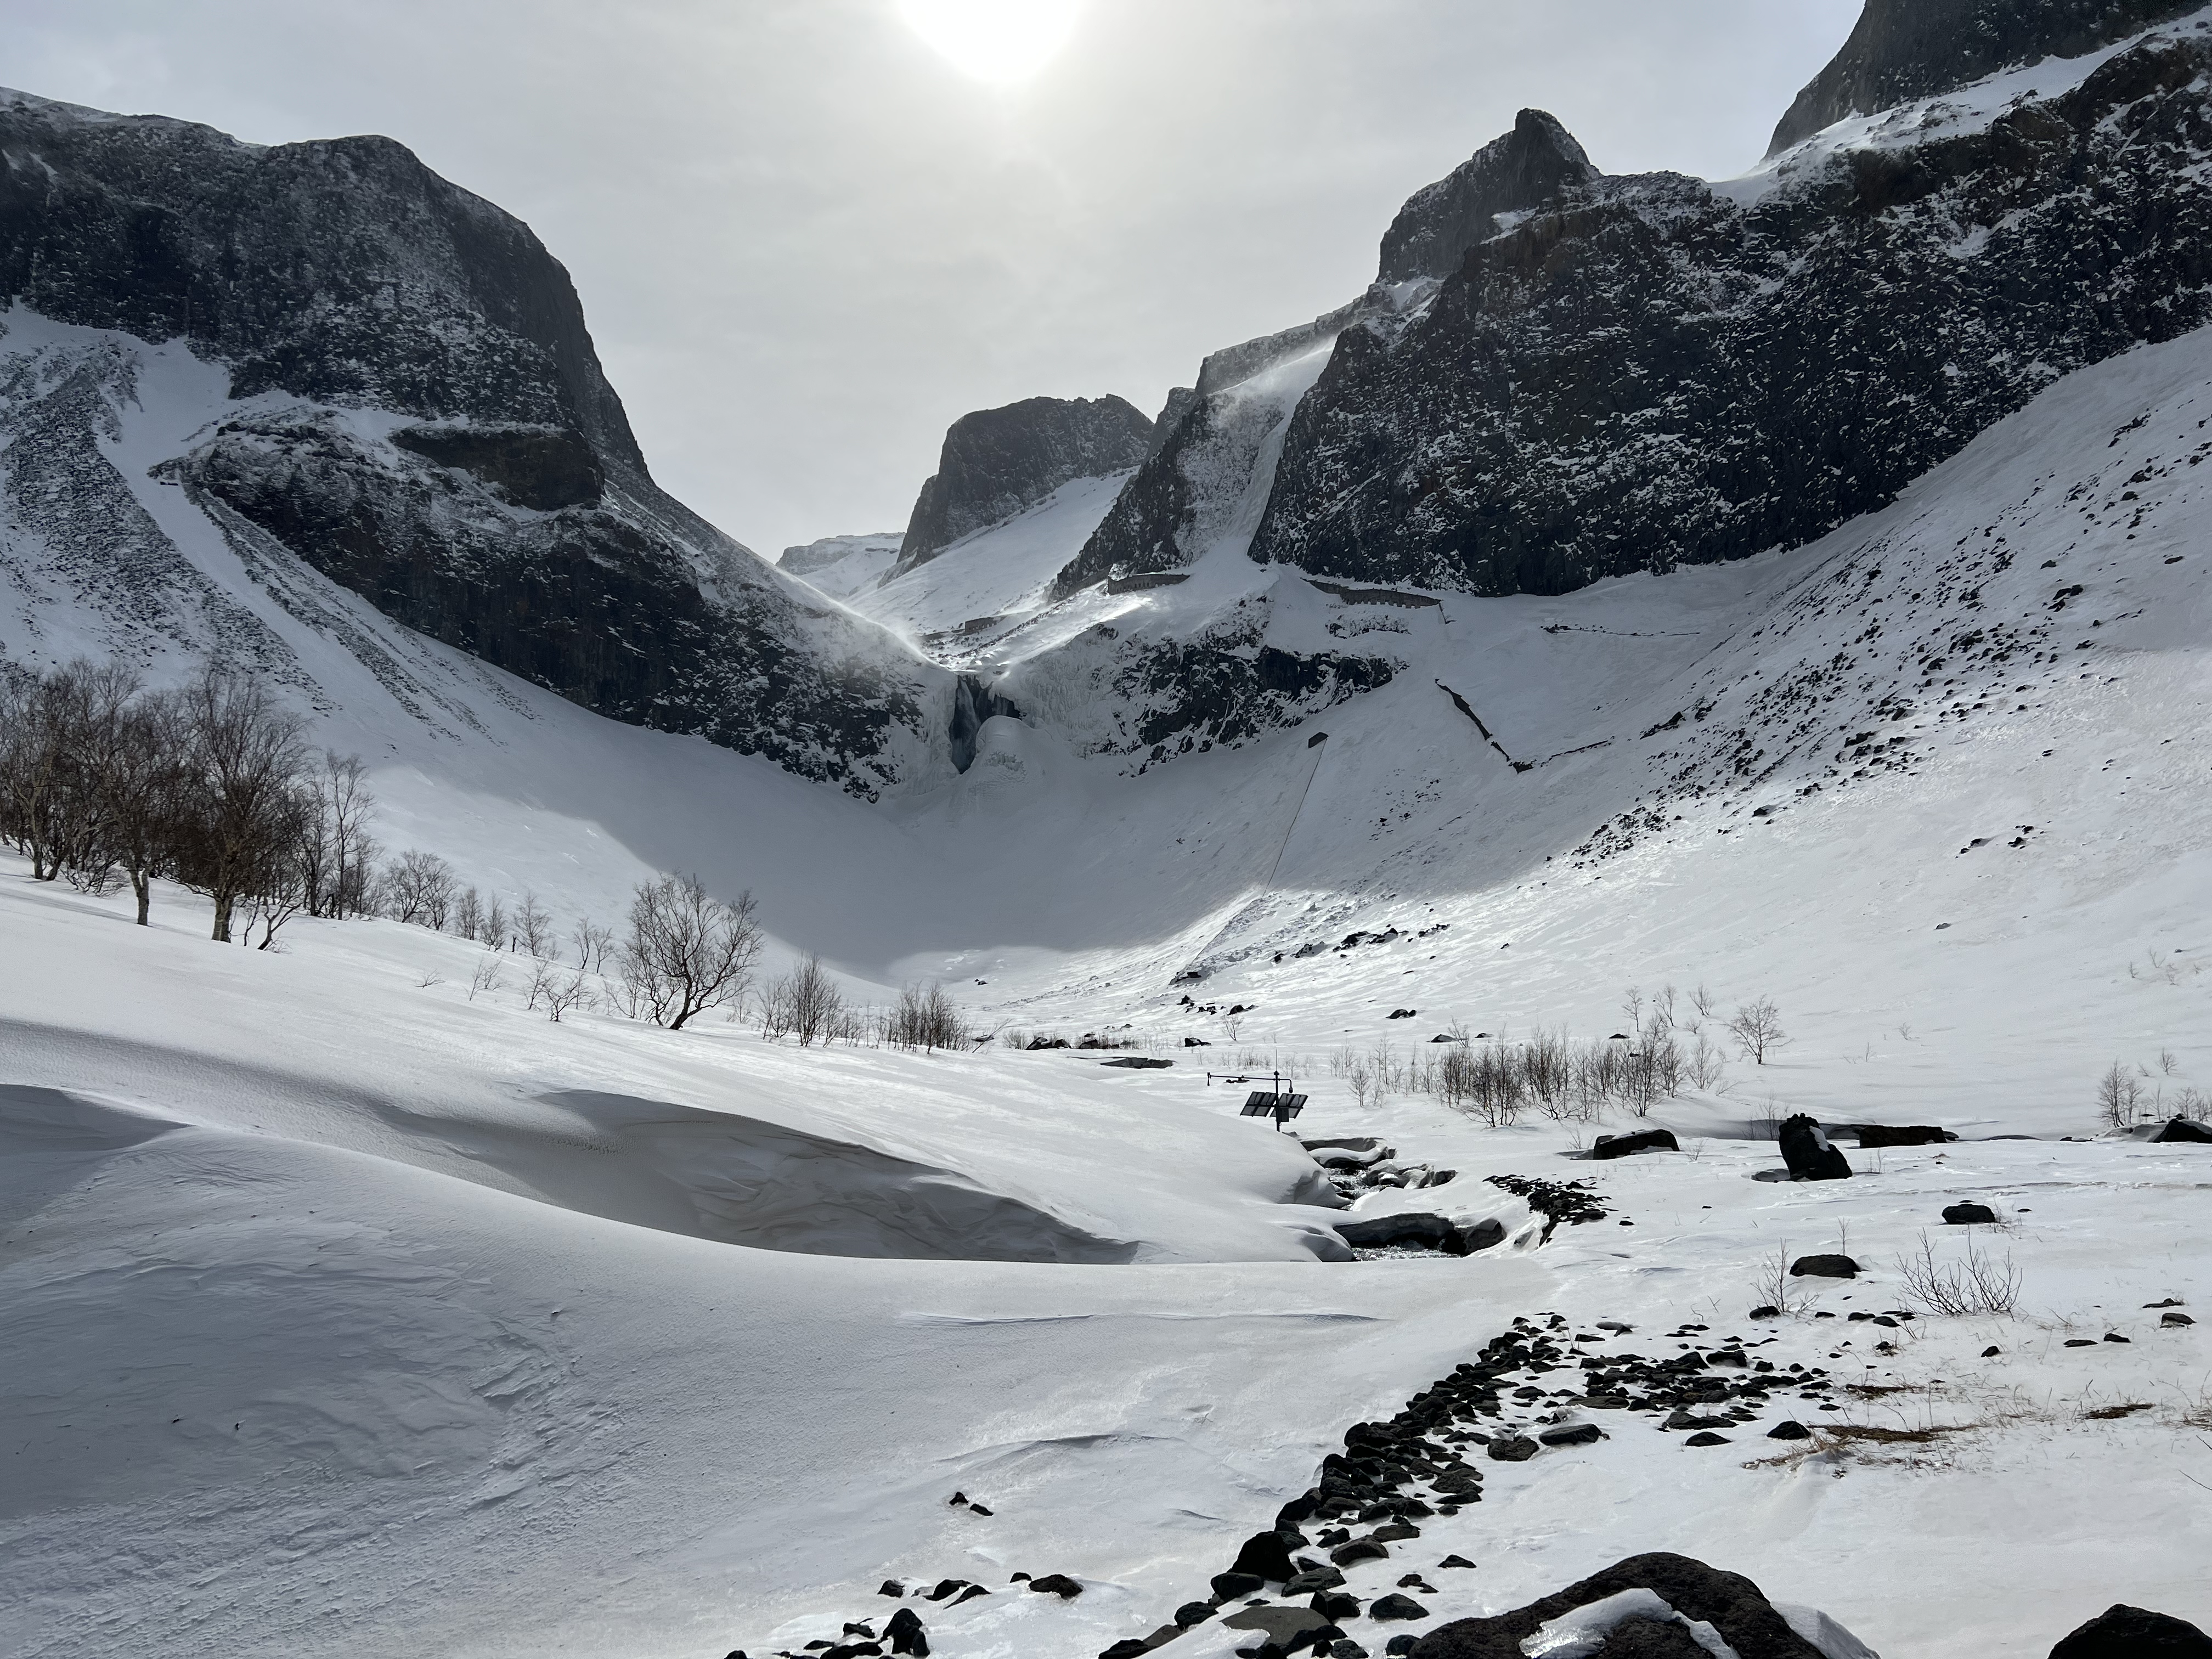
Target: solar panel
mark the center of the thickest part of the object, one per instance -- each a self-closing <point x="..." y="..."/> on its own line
<point x="1282" y="1108"/>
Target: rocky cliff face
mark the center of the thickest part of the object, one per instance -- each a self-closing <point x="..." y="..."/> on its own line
<point x="414" y="410"/>
<point x="809" y="557"/>
<point x="1906" y="49"/>
<point x="996" y="462"/>
<point x="1660" y="371"/>
<point x="1529" y="167"/>
<point x="1211" y="465"/>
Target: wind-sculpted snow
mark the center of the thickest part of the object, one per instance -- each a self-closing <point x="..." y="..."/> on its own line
<point x="402" y="396"/>
<point x="1656" y="374"/>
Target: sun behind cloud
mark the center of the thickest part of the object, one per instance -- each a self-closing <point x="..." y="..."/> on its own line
<point x="1003" y="42"/>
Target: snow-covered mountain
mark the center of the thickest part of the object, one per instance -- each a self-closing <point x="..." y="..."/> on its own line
<point x="345" y="368"/>
<point x="1561" y="376"/>
<point x="355" y="1306"/>
<point x="998" y="462"/>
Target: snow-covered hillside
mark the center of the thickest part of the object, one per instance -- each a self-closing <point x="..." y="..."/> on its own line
<point x="341" y="1287"/>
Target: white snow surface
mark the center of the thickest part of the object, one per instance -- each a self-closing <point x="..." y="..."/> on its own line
<point x="996" y="577"/>
<point x="1578" y="1634"/>
<point x="347" y="1313"/>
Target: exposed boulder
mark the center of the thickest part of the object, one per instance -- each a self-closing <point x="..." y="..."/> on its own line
<point x="1901" y="1134"/>
<point x="1969" y="1215"/>
<point x="1659" y="1588"/>
<point x="2125" y="1632"/>
<point x="1824" y="1267"/>
<point x="1906" y="49"/>
<point x="996" y="462"/>
<point x="1643" y="1140"/>
<point x="1267" y="1555"/>
<point x="1418" y="1229"/>
<point x="1806" y="1149"/>
<point x="2184" y="1129"/>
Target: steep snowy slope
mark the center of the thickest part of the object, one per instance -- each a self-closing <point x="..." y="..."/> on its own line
<point x="343" y="362"/>
<point x="993" y="578"/>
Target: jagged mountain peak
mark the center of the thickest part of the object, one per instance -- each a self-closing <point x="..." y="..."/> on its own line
<point x="995" y="462"/>
<point x="1523" y="170"/>
<point x="1906" y="49"/>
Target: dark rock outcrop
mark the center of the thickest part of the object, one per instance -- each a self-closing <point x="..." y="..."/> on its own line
<point x="1643" y="1140"/>
<point x="997" y="461"/>
<point x="2125" y="1632"/>
<point x="1731" y="1603"/>
<point x="1824" y="1267"/>
<point x="1806" y="1149"/>
<point x="1902" y="49"/>
<point x="1417" y="1230"/>
<point x="1969" y="1215"/>
<point x="1901" y="1134"/>
<point x="1656" y="373"/>
<point x="506" y="511"/>
<point x="809" y="557"/>
<point x="2182" y="1129"/>
<point x="1529" y="167"/>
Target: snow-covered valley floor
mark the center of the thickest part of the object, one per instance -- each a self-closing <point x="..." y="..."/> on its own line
<point x="345" y="1311"/>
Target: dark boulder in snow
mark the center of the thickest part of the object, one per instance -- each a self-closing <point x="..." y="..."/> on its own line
<point x="1824" y="1267"/>
<point x="1901" y="1134"/>
<point x="1395" y="1605"/>
<point x="1969" y="1215"/>
<point x="1512" y="1449"/>
<point x="1806" y="1149"/>
<point x="1267" y="1554"/>
<point x="905" y="1634"/>
<point x="2182" y="1129"/>
<point x="1676" y="1588"/>
<point x="1644" y="1140"/>
<point x="1790" y="1429"/>
<point x="1360" y="1549"/>
<point x="1285" y="1626"/>
<point x="1057" y="1583"/>
<point x="2121" y="1631"/>
<point x="1235" y="1586"/>
<point x="996" y="462"/>
<point x="1418" y="1229"/>
<point x="1572" y="1434"/>
<point x="1483" y="1236"/>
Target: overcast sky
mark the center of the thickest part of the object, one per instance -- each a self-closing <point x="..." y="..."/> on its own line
<point x="805" y="242"/>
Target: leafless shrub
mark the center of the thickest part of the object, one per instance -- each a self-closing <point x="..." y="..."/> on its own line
<point x="469" y="913"/>
<point x="1702" y="1000"/>
<point x="533" y="929"/>
<point x="565" y="992"/>
<point x="1360" y="1074"/>
<point x="594" y="944"/>
<point x="2119" y="1097"/>
<point x="1757" y="1027"/>
<point x="1706" y="1064"/>
<point x="418" y="887"/>
<point x="487" y="976"/>
<point x="804" y="1003"/>
<point x="925" y="1018"/>
<point x="494" y="932"/>
<point x="687" y="951"/>
<point x="1772" y="1285"/>
<point x="1976" y="1283"/>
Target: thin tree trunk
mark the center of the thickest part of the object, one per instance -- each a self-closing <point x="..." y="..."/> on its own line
<point x="222" y="903"/>
<point x="143" y="885"/>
